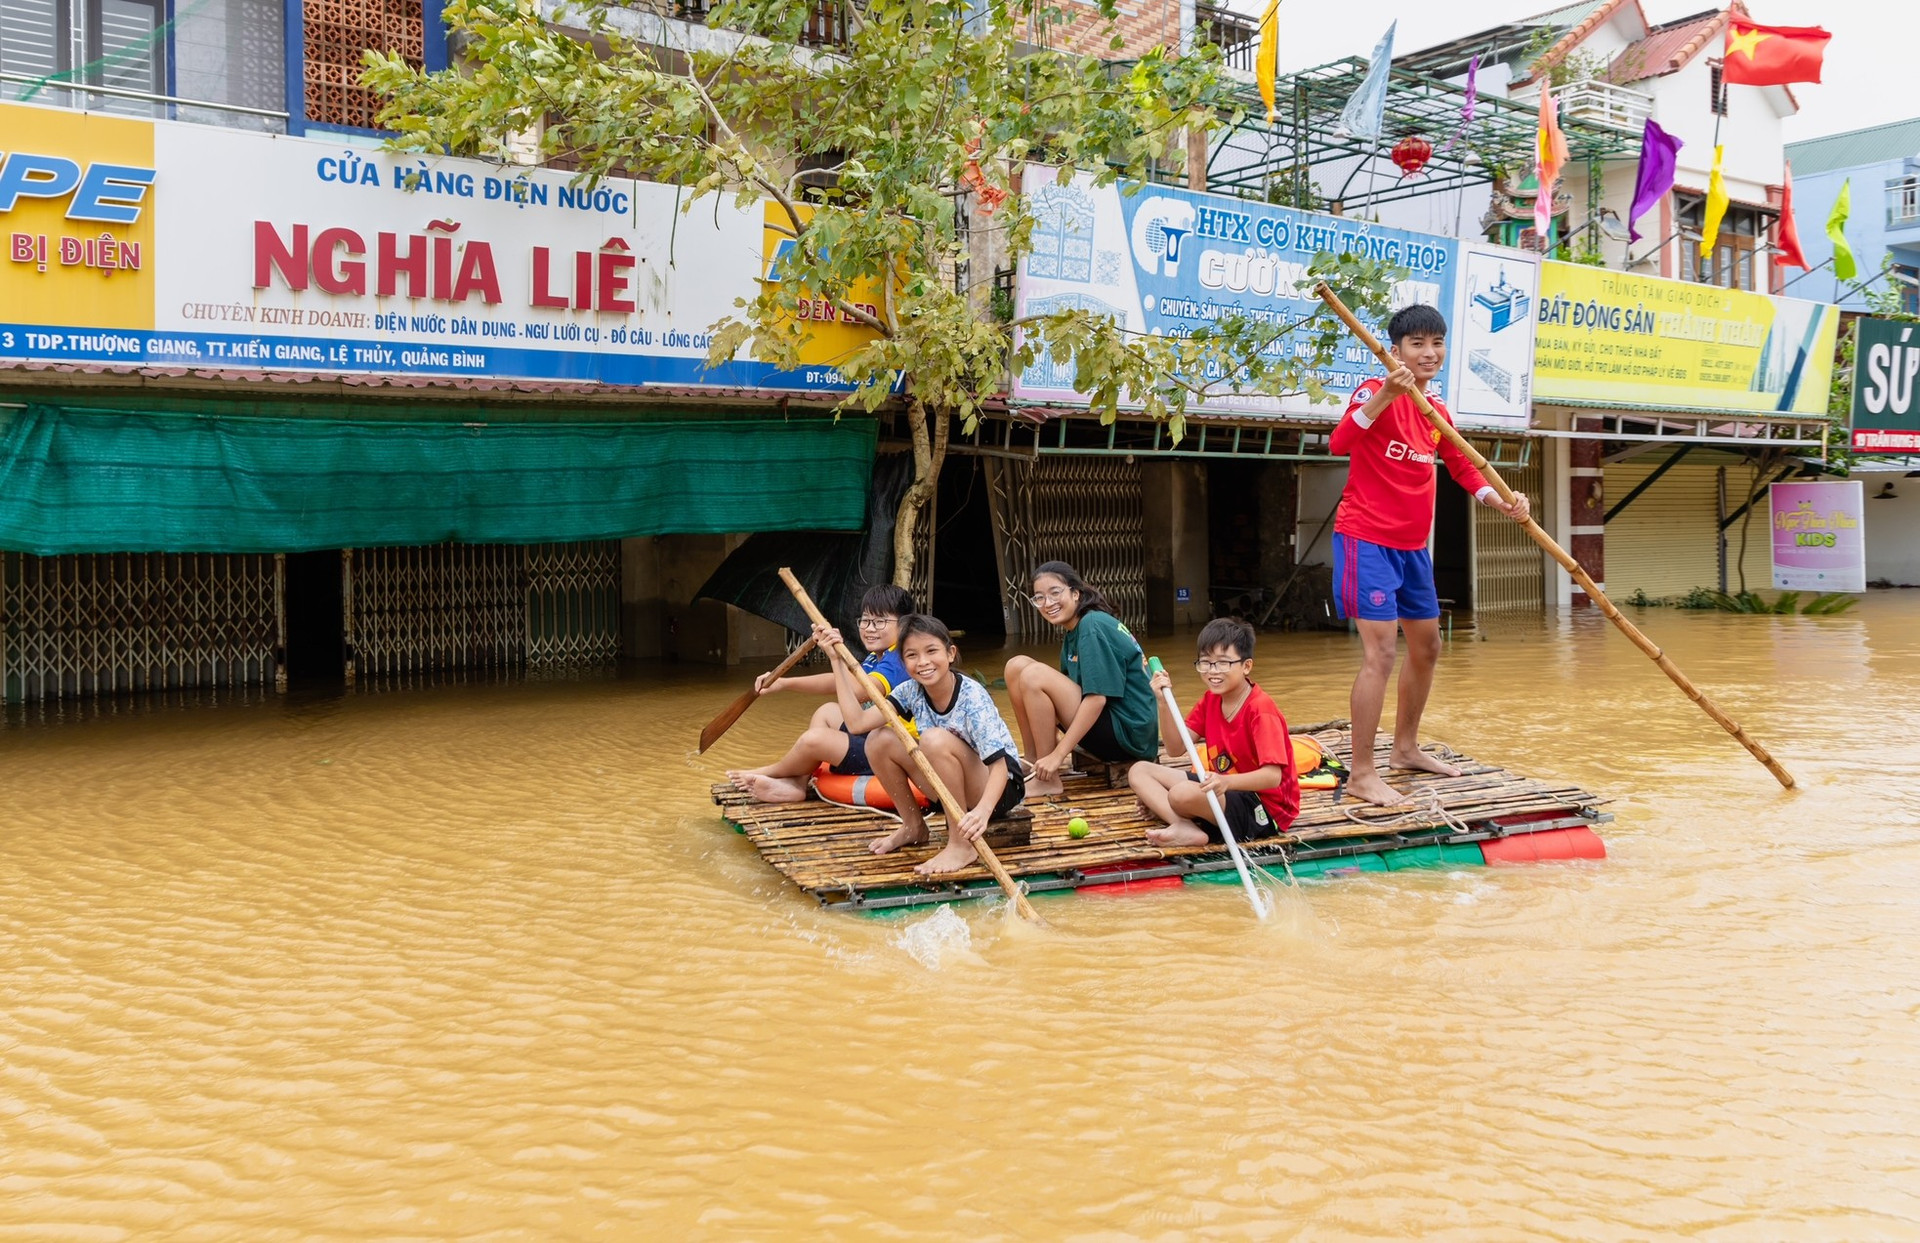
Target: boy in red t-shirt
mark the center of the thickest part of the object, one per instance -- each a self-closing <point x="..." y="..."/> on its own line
<point x="1242" y="738"/>
<point x="1382" y="572"/>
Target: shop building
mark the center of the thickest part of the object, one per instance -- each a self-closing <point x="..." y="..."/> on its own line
<point x="277" y="409"/>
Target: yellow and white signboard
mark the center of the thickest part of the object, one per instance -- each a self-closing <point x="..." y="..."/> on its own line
<point x="1614" y="339"/>
<point x="142" y="243"/>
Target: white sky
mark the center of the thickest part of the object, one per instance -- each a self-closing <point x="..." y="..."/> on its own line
<point x="1868" y="66"/>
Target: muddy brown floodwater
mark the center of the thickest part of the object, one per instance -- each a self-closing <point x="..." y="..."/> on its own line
<point x="482" y="963"/>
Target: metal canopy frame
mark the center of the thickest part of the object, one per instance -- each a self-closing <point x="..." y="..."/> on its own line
<point x="1502" y="138"/>
<point x="1031" y="432"/>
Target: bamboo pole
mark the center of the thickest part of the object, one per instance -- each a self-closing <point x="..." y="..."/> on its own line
<point x="1560" y="554"/>
<point x="952" y="806"/>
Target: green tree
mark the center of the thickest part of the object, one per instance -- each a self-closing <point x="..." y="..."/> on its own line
<point x="930" y="110"/>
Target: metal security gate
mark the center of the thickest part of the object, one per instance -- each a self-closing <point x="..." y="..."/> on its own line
<point x="91" y="624"/>
<point x="482" y="607"/>
<point x="1089" y="512"/>
<point x="573" y="603"/>
<point x="1509" y="570"/>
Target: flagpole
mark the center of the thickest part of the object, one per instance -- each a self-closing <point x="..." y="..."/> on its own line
<point x="1824" y="263"/>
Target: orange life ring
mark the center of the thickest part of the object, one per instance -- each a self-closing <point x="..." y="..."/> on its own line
<point x="847" y="790"/>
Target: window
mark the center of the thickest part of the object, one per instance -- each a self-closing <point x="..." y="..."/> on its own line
<point x="1717" y="89"/>
<point x="216" y="51"/>
<point x="1734" y="262"/>
<point x="117" y="44"/>
<point x="1903" y="201"/>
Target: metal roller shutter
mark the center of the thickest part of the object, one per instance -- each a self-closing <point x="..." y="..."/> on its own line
<point x="1666" y="542"/>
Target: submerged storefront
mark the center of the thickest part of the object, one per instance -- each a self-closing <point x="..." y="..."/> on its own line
<point x="1669" y="404"/>
<point x="275" y="408"/>
<point x="1234" y="515"/>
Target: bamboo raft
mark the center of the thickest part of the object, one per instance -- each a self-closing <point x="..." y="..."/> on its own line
<point x="1483" y="815"/>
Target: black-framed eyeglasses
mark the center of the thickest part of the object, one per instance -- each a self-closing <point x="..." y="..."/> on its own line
<point x="877" y="623"/>
<point x="1217" y="666"/>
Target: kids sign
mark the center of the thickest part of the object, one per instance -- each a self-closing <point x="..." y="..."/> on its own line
<point x="1819" y="539"/>
<point x="141" y="243"/>
<point x="1886" y="361"/>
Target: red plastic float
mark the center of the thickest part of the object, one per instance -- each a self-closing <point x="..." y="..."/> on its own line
<point x="1124" y="888"/>
<point x="1545" y="846"/>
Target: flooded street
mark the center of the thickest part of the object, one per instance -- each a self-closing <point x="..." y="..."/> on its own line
<point x="483" y="963"/>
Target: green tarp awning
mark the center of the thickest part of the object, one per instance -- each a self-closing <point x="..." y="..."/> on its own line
<point x="84" y="480"/>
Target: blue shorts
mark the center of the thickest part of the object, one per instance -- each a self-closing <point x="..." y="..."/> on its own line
<point x="1382" y="584"/>
<point x="854" y="763"/>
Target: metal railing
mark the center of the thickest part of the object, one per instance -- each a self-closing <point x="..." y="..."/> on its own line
<point x="1237" y="36"/>
<point x="51" y="88"/>
<point x="828" y="23"/>
<point x="1603" y="103"/>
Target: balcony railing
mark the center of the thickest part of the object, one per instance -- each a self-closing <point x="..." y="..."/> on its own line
<point x="1603" y="103"/>
<point x="1237" y="37"/>
<point x="95" y="97"/>
<point x="1903" y="202"/>
<point x="828" y="22"/>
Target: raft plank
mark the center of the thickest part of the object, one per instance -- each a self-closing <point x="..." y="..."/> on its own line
<point x="823" y="848"/>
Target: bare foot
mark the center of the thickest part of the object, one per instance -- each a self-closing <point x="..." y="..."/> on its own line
<point x="1423" y="761"/>
<point x="1044" y="789"/>
<point x="905" y="835"/>
<point x="1179" y="833"/>
<point x="956" y="856"/>
<point x="764" y="789"/>
<point x="1368" y="788"/>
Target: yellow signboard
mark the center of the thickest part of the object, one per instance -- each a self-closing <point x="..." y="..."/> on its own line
<point x="829" y="335"/>
<point x="1614" y="339"/>
<point x="76" y="218"/>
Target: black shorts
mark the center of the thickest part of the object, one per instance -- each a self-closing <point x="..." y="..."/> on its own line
<point x="1102" y="745"/>
<point x="1247" y="816"/>
<point x="854" y="762"/>
<point x="1016" y="788"/>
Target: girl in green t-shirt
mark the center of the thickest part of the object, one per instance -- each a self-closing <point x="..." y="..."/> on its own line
<point x="1098" y="700"/>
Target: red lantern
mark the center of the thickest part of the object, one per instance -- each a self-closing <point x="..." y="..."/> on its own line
<point x="1411" y="154"/>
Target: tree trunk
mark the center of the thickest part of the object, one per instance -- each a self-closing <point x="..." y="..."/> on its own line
<point x="1762" y="467"/>
<point x="929" y="455"/>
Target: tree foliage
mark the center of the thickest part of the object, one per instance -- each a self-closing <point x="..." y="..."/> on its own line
<point x="926" y="117"/>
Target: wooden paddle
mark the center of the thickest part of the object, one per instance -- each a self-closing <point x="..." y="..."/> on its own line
<point x="954" y="808"/>
<point x="735" y="710"/>
<point x="1560" y="554"/>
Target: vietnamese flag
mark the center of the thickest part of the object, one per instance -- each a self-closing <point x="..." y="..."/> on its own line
<point x="1790" y="254"/>
<point x="1772" y="55"/>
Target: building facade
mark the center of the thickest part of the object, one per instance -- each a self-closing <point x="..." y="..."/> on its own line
<point x="1881" y="168"/>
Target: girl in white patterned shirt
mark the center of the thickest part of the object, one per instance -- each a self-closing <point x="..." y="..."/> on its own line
<point x="961" y="732"/>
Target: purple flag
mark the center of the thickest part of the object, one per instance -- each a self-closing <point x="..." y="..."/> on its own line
<point x="1466" y="109"/>
<point x="1658" y="150"/>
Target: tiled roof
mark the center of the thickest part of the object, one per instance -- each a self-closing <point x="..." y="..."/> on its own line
<point x="1879" y="144"/>
<point x="1671" y="46"/>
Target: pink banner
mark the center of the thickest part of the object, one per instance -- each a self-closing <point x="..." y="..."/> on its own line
<point x="1819" y="536"/>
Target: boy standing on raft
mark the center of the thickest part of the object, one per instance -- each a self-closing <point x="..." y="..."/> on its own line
<point x="1382" y="572"/>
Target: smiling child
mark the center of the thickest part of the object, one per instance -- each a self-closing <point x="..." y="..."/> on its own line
<point x="1241" y="737"/>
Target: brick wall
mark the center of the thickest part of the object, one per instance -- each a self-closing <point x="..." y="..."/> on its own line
<point x="1142" y="26"/>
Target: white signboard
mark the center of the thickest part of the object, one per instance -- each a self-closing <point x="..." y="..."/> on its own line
<point x="1167" y="261"/>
